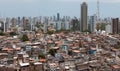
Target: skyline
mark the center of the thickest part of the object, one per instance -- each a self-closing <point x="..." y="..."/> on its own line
<point x="33" y="8"/>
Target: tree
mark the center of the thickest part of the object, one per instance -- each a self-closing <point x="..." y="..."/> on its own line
<point x="61" y="30"/>
<point x="38" y="25"/>
<point x="41" y="55"/>
<point x="52" y="52"/>
<point x="69" y="52"/>
<point x="87" y="31"/>
<point x="98" y="26"/>
<point x="32" y="66"/>
<point x="13" y="33"/>
<point x="50" y="32"/>
<point x="80" y="44"/>
<point x="2" y="34"/>
<point x="117" y="46"/>
<point x="75" y="24"/>
<point x="24" y="38"/>
<point x="103" y="26"/>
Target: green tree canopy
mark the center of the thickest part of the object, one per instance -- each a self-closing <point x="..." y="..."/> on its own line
<point x="2" y="34"/>
<point x="13" y="33"/>
<point x="41" y="55"/>
<point x="103" y="26"/>
<point x="24" y="38"/>
<point x="69" y="52"/>
<point x="87" y="31"/>
<point x="50" y="32"/>
<point x="80" y="44"/>
<point x="52" y="52"/>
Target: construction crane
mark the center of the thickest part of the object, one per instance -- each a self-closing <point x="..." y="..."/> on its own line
<point x="98" y="25"/>
<point x="98" y="10"/>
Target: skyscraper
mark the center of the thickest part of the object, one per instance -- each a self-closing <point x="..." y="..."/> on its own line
<point x="58" y="16"/>
<point x="24" y="23"/>
<point x="18" y="21"/>
<point x="84" y="16"/>
<point x="92" y="22"/>
<point x="14" y="22"/>
<point x="7" y="24"/>
<point x="115" y="25"/>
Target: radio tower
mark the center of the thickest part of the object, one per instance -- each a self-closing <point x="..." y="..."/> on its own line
<point x="98" y="10"/>
<point x="98" y="16"/>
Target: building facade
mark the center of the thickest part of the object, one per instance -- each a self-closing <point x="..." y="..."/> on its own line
<point x="92" y="22"/>
<point x="84" y="16"/>
<point x="115" y="25"/>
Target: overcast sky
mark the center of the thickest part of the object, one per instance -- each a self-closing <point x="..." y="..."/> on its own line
<point x="15" y="8"/>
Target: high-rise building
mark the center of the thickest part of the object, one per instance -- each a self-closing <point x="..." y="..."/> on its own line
<point x="92" y="22"/>
<point x="45" y="21"/>
<point x="2" y="26"/>
<point x="54" y="18"/>
<point x="58" y="16"/>
<point x="18" y="21"/>
<point x="14" y="22"/>
<point x="108" y="28"/>
<point x="7" y="24"/>
<point x="115" y="25"/>
<point x="108" y="25"/>
<point x="26" y="24"/>
<point x="84" y="16"/>
<point x="74" y="23"/>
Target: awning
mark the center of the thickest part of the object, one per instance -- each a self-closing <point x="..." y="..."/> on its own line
<point x="76" y="51"/>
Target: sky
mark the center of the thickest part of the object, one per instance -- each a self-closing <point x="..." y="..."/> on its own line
<point x="33" y="8"/>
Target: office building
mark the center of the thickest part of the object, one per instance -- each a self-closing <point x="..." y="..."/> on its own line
<point x="115" y="25"/>
<point x="14" y="22"/>
<point x="26" y="24"/>
<point x="108" y="28"/>
<point x="108" y="25"/>
<point x="58" y="17"/>
<point x="92" y="22"/>
<point x="18" y="21"/>
<point x="7" y="24"/>
<point x="84" y="16"/>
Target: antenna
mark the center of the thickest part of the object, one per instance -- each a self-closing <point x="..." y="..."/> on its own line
<point x="84" y="0"/>
<point x="98" y="10"/>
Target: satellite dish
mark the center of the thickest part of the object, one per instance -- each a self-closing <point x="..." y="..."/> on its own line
<point x="14" y="46"/>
